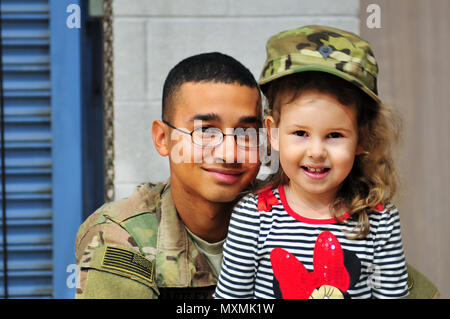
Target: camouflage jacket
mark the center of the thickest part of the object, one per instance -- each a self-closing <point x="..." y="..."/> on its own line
<point x="138" y="247"/>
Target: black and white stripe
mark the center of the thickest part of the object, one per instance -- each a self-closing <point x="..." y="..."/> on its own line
<point x="247" y="272"/>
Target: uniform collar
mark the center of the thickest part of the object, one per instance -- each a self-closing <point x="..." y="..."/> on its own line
<point x="171" y="232"/>
<point x="176" y="251"/>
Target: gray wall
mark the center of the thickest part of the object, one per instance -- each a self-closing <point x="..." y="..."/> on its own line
<point x="150" y="37"/>
<point x="414" y="78"/>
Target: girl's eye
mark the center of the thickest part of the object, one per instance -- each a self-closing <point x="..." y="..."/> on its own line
<point x="335" y="135"/>
<point x="300" y="133"/>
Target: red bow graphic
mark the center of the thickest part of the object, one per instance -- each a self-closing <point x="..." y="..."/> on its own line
<point x="328" y="260"/>
<point x="266" y="199"/>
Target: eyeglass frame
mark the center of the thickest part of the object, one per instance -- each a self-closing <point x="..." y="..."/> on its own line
<point x="218" y="130"/>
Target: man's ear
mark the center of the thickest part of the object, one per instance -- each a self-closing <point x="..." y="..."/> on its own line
<point x="272" y="131"/>
<point x="160" y="134"/>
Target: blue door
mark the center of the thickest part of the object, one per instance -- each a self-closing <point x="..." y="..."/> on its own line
<point x="52" y="137"/>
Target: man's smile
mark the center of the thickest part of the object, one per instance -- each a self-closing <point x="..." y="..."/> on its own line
<point x="225" y="175"/>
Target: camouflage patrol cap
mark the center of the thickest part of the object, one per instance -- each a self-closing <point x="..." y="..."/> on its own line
<point x="323" y="49"/>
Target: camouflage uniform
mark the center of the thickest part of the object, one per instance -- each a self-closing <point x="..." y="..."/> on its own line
<point x="137" y="248"/>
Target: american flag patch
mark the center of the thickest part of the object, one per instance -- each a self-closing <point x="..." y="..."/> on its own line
<point x="128" y="262"/>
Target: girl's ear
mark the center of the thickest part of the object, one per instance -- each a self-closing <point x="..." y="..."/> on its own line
<point x="272" y="132"/>
<point x="361" y="146"/>
<point x="160" y="133"/>
<point x="359" y="149"/>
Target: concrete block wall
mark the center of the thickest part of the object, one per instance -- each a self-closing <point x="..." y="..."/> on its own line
<point x="151" y="36"/>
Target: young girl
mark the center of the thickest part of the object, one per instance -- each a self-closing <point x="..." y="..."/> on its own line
<point x="324" y="227"/>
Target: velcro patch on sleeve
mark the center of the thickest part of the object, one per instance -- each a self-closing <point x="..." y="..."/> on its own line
<point x="128" y="262"/>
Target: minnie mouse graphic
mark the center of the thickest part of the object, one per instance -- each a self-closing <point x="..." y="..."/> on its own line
<point x="336" y="270"/>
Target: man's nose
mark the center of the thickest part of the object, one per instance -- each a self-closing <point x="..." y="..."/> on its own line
<point x="226" y="152"/>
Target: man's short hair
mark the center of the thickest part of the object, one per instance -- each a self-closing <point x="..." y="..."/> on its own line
<point x="206" y="67"/>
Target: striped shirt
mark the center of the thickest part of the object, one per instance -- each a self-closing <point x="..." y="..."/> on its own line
<point x="376" y="270"/>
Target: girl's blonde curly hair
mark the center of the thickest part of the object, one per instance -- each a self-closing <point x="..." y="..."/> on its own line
<point x="373" y="179"/>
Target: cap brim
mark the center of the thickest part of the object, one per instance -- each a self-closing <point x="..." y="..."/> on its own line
<point x="317" y="68"/>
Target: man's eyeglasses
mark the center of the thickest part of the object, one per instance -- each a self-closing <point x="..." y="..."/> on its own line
<point x="208" y="136"/>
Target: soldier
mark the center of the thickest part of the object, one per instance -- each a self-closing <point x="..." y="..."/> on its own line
<point x="165" y="240"/>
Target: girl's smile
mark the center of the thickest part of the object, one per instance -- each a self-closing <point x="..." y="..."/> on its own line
<point x="316" y="173"/>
